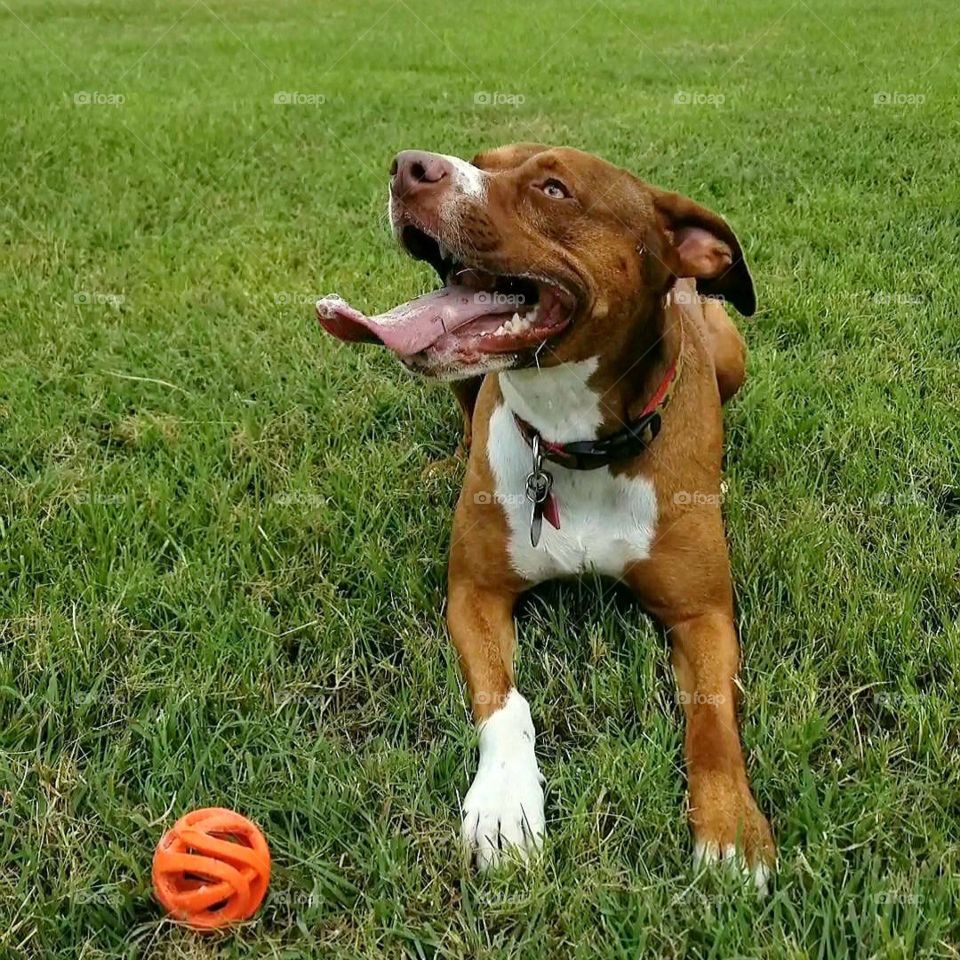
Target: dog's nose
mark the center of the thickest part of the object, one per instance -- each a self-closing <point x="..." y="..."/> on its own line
<point x="415" y="171"/>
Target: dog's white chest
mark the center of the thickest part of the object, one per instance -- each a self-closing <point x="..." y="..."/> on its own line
<point x="606" y="522"/>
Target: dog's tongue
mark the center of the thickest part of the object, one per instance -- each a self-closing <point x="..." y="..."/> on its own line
<point x="412" y="326"/>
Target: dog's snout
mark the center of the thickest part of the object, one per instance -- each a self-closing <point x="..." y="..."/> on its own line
<point x="414" y="171"/>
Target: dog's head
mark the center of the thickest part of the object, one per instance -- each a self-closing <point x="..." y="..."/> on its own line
<point x="546" y="255"/>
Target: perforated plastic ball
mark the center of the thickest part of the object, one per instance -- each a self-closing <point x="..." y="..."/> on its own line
<point x="211" y="868"/>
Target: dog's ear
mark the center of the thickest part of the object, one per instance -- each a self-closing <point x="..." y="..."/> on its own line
<point x="705" y="247"/>
<point x="507" y="157"/>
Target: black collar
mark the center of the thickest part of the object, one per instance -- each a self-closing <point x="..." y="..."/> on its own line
<point x="628" y="442"/>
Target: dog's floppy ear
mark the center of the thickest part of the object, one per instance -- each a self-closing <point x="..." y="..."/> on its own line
<point x="706" y="248"/>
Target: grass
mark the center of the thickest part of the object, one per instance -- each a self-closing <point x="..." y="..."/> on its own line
<point x="222" y="577"/>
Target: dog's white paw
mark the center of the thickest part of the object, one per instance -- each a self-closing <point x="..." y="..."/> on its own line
<point x="706" y="854"/>
<point x="503" y="809"/>
<point x="503" y="814"/>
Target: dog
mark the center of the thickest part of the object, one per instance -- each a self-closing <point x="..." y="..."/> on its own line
<point x="582" y="323"/>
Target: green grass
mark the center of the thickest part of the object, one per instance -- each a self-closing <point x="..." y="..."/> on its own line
<point x="222" y="577"/>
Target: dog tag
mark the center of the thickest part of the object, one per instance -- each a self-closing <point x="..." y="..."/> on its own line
<point x="538" y="491"/>
<point x="551" y="511"/>
<point x="538" y="485"/>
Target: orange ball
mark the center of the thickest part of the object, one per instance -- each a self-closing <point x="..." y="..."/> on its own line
<point x="211" y="868"/>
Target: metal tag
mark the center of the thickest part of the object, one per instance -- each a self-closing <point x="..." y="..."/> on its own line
<point x="538" y="485"/>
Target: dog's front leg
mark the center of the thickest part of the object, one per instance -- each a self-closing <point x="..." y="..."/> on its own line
<point x="726" y="821"/>
<point x="686" y="586"/>
<point x="503" y="809"/>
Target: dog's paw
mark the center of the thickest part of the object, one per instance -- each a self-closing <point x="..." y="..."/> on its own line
<point x="503" y="809"/>
<point x="503" y="815"/>
<point x="729" y="829"/>
<point x="707" y="853"/>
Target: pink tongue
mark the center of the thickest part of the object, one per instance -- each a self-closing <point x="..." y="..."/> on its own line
<point x="413" y="326"/>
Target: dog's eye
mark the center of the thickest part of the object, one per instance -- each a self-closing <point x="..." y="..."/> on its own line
<point x="555" y="190"/>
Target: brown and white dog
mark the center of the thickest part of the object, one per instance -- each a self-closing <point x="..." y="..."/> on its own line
<point x="577" y="301"/>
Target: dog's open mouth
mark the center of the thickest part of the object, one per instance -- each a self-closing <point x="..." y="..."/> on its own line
<point x="476" y="313"/>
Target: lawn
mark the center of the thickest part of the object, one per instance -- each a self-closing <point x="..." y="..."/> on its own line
<point x="222" y="571"/>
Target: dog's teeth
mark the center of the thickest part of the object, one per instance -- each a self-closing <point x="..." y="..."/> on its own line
<point x="520" y="324"/>
<point x="444" y="252"/>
